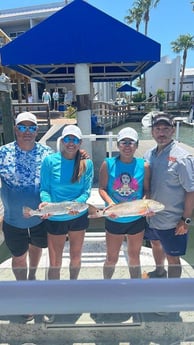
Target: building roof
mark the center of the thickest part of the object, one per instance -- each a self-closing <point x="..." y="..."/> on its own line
<point x="4" y="39"/>
<point x="80" y="33"/>
<point x="31" y="9"/>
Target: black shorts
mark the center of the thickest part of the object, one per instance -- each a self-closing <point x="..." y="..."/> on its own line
<point x="63" y="227"/>
<point x="18" y="239"/>
<point x="131" y="228"/>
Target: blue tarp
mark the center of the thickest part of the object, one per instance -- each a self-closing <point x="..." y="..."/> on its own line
<point x="80" y="33"/>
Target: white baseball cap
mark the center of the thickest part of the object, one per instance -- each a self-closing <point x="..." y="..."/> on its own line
<point x="127" y="132"/>
<point x="26" y="116"/>
<point x="72" y="130"/>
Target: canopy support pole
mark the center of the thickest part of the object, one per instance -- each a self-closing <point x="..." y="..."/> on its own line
<point x="82" y="89"/>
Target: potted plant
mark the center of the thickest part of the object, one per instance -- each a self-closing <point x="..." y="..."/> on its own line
<point x="161" y="97"/>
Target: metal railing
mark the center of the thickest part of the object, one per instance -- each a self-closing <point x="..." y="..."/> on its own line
<point x="110" y="137"/>
<point x="96" y="296"/>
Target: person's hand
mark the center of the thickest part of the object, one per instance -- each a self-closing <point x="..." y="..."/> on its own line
<point x="111" y="215"/>
<point x="181" y="228"/>
<point x="73" y="212"/>
<point x="42" y="205"/>
<point x="150" y="214"/>
<point x="84" y="154"/>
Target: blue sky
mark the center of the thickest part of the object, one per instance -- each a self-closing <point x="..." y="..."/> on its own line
<point x="168" y="20"/>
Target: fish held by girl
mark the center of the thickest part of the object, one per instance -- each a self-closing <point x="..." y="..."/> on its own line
<point x="56" y="208"/>
<point x="133" y="208"/>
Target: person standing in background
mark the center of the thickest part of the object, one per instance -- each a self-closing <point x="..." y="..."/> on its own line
<point x="55" y="97"/>
<point x="46" y="97"/>
<point x="30" y="98"/>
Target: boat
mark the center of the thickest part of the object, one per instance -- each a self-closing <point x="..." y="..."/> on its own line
<point x="189" y="121"/>
<point x="147" y="119"/>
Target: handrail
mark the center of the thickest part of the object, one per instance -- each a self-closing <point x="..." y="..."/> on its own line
<point x="93" y="137"/>
<point x="32" y="107"/>
<point x="96" y="296"/>
<point x="110" y="137"/>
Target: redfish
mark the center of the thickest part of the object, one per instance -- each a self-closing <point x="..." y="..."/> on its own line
<point x="56" y="208"/>
<point x="127" y="209"/>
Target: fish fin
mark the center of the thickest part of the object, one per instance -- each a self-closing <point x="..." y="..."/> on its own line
<point x="27" y="211"/>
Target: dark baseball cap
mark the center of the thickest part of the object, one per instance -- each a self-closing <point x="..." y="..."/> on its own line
<point x="168" y="119"/>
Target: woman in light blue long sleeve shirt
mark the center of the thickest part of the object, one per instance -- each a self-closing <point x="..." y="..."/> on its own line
<point x="65" y="177"/>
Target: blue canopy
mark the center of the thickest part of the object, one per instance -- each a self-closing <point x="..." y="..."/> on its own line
<point x="80" y="33"/>
<point x="126" y="88"/>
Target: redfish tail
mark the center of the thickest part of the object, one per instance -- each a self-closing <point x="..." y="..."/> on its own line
<point x="94" y="212"/>
<point x="27" y="212"/>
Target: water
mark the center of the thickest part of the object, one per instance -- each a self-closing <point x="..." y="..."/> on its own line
<point x="186" y="133"/>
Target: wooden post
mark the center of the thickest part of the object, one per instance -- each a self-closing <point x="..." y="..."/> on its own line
<point x="6" y="112"/>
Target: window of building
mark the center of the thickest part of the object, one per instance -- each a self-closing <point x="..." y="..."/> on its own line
<point x="13" y="35"/>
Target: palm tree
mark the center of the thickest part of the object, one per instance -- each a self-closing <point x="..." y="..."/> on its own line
<point x="135" y="15"/>
<point x="145" y="6"/>
<point x="183" y="43"/>
<point x="139" y="11"/>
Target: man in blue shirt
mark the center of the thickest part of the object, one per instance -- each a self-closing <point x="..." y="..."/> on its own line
<point x="20" y="163"/>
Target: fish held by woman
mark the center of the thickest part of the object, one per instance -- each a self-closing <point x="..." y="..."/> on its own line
<point x="56" y="208"/>
<point x="133" y="208"/>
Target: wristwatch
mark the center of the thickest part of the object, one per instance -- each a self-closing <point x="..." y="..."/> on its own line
<point x="186" y="220"/>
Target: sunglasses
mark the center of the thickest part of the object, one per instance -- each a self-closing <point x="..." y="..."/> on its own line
<point x="127" y="142"/>
<point x="23" y="128"/>
<point x="74" y="140"/>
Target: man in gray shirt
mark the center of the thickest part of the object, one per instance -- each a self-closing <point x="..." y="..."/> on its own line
<point x="172" y="183"/>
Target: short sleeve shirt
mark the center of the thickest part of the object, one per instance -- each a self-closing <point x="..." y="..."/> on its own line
<point x="172" y="173"/>
<point x="20" y="179"/>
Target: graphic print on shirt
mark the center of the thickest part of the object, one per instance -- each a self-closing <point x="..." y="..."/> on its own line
<point x="125" y="187"/>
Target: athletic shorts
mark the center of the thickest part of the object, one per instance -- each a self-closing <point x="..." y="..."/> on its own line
<point x="173" y="245"/>
<point x="18" y="239"/>
<point x="63" y="227"/>
<point x="131" y="228"/>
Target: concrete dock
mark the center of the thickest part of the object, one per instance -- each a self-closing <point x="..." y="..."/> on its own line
<point x="94" y="328"/>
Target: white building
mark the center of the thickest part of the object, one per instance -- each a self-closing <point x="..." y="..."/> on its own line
<point x="166" y="75"/>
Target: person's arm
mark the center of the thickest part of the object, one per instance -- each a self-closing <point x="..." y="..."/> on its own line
<point x="189" y="204"/>
<point x="45" y="181"/>
<point x="181" y="227"/>
<point x="186" y="177"/>
<point x="103" y="182"/>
